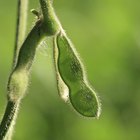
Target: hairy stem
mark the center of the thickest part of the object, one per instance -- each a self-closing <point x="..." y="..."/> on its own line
<point x="9" y="115"/>
<point x="21" y="27"/>
<point x="23" y="59"/>
<point x="12" y="107"/>
<point x="18" y="81"/>
<point x="51" y="24"/>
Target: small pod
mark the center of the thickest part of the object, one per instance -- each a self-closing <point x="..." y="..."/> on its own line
<point x="70" y="74"/>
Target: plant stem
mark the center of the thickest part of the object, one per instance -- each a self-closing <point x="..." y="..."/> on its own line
<point x="12" y="107"/>
<point x="17" y="88"/>
<point x="21" y="27"/>
<point x="51" y="24"/>
<point x="9" y="116"/>
<point x="23" y="58"/>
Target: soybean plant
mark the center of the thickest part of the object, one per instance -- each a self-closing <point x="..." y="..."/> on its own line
<point x="72" y="82"/>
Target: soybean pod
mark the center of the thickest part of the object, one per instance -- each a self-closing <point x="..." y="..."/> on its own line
<point x="19" y="78"/>
<point x="70" y="73"/>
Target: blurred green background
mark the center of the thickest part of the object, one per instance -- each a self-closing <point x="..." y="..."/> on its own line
<point x="106" y="33"/>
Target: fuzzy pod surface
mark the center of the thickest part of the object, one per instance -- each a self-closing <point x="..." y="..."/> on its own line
<point x="71" y="74"/>
<point x="19" y="78"/>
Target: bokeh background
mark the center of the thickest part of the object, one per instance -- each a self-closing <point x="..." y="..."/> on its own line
<point x="106" y="33"/>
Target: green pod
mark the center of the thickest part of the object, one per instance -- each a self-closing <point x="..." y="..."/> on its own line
<point x="19" y="78"/>
<point x="70" y="70"/>
<point x="17" y="85"/>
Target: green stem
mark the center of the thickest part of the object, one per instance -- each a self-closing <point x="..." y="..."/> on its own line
<point x="12" y="107"/>
<point x="51" y="24"/>
<point x="46" y="8"/>
<point x="23" y="59"/>
<point x="15" y="89"/>
<point x="9" y="116"/>
<point x="21" y="27"/>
